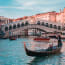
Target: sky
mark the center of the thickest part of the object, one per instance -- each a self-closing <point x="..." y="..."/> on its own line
<point x="19" y="8"/>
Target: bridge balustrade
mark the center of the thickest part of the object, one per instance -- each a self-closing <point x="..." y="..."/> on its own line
<point x="22" y="26"/>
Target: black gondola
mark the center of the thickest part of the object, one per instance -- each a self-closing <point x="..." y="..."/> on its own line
<point x="43" y="52"/>
<point x="12" y="37"/>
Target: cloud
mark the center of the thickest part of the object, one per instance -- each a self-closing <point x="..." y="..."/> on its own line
<point x="35" y="5"/>
<point x="39" y="4"/>
<point x="30" y="7"/>
<point x="31" y="3"/>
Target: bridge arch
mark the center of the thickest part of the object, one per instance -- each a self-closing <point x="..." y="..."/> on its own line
<point x="10" y="27"/>
<point x="26" y="23"/>
<point x="6" y="28"/>
<point x="47" y="25"/>
<point x="59" y="27"/>
<point x="18" y="25"/>
<point x="55" y="27"/>
<point x="14" y="26"/>
<point x="50" y="25"/>
<point x="22" y="24"/>
<point x="38" y="22"/>
<point x="42" y="23"/>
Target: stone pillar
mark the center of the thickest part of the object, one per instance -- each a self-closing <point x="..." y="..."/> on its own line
<point x="35" y="32"/>
<point x="26" y="32"/>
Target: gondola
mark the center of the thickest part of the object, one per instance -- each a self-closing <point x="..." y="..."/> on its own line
<point x="43" y="52"/>
<point x="12" y="38"/>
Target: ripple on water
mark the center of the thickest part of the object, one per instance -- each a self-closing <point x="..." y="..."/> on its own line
<point x="13" y="53"/>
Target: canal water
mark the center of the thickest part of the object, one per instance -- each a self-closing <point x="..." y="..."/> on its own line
<point x="12" y="53"/>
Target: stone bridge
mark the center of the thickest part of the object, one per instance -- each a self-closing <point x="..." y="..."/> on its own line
<point x="19" y="30"/>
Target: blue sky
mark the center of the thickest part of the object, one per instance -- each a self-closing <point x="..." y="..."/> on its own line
<point x="20" y="8"/>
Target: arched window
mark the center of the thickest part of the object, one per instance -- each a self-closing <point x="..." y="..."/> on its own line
<point x="26" y="23"/>
<point x="55" y="26"/>
<point x="51" y="26"/>
<point x="6" y="28"/>
<point x="42" y="23"/>
<point x="22" y="24"/>
<point x="18" y="25"/>
<point x="10" y="27"/>
<point x="59" y="27"/>
<point x="14" y="26"/>
<point x="46" y="24"/>
<point x="38" y="22"/>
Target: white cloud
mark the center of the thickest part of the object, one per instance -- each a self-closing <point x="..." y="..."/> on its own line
<point x="20" y="8"/>
<point x="1" y="10"/>
<point x="29" y="3"/>
<point x="31" y="6"/>
<point x="37" y="2"/>
<point x="36" y="5"/>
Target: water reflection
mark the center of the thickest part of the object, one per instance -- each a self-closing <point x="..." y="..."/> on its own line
<point x="13" y="53"/>
<point x="48" y="60"/>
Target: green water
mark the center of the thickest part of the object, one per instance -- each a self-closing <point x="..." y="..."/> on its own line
<point x="13" y="53"/>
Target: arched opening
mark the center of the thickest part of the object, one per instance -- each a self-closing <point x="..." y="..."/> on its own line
<point x="38" y="22"/>
<point x="46" y="24"/>
<point x="51" y="26"/>
<point x="18" y="25"/>
<point x="6" y="28"/>
<point x="14" y="26"/>
<point x="55" y="27"/>
<point x="26" y="23"/>
<point x="42" y="23"/>
<point x="59" y="27"/>
<point x="10" y="27"/>
<point x="22" y="24"/>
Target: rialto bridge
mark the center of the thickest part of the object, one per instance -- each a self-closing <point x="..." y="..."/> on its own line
<point x="20" y="27"/>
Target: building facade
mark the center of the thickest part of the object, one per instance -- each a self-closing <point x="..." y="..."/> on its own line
<point x="48" y="16"/>
<point x="4" y="20"/>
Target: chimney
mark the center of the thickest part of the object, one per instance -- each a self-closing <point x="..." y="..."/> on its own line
<point x="64" y="9"/>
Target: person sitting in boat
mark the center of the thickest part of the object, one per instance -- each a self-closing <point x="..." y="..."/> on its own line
<point x="59" y="41"/>
<point x="50" y="47"/>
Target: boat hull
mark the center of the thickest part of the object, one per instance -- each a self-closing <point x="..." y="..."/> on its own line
<point x="42" y="39"/>
<point x="45" y="52"/>
<point x="38" y="54"/>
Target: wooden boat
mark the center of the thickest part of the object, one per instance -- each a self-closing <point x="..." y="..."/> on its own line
<point x="42" y="39"/>
<point x="43" y="52"/>
<point x="12" y="38"/>
<point x="62" y="37"/>
<point x="53" y="36"/>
